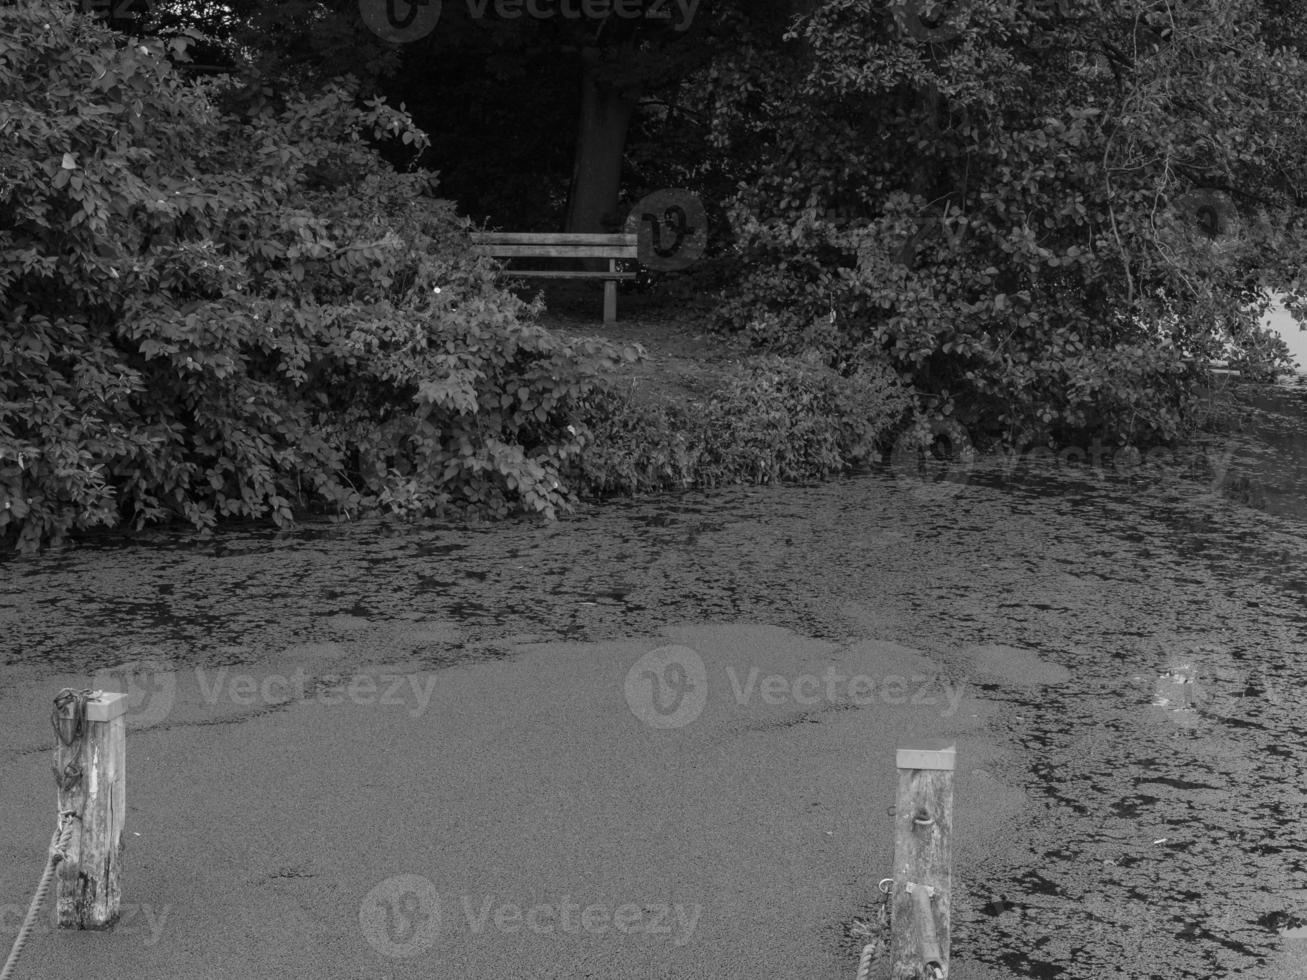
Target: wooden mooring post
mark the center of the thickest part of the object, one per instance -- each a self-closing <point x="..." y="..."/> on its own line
<point x="90" y="762"/>
<point x="923" y="828"/>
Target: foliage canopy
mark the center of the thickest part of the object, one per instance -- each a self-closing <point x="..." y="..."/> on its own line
<point x="1042" y="214"/>
<point x="223" y="302"/>
<point x="220" y="303"/>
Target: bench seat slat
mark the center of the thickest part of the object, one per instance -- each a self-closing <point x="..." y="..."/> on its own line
<point x="567" y="274"/>
<point x="540" y="245"/>
<point x="550" y="238"/>
<point x="562" y="251"/>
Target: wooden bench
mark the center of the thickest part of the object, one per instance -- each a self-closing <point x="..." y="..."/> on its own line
<point x="542" y="245"/>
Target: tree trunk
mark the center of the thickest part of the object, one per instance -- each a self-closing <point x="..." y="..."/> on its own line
<point x="600" y="141"/>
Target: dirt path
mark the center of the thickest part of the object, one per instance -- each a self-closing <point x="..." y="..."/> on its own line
<point x="684" y="361"/>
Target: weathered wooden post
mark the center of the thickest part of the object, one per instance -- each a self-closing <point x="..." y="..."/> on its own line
<point x="923" y="827"/>
<point x="90" y="761"/>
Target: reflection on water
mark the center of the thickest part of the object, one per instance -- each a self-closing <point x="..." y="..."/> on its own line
<point x="1270" y="461"/>
<point x="1166" y="774"/>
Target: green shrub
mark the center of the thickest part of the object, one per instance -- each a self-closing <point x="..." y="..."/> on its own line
<point x="785" y="419"/>
<point x="1045" y="243"/>
<point x="219" y="302"/>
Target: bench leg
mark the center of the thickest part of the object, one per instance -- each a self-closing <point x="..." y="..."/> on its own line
<point x="610" y="301"/>
<point x="610" y="295"/>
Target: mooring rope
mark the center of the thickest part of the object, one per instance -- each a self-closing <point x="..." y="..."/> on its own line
<point x="880" y="942"/>
<point x="63" y="835"/>
<point x="864" y="964"/>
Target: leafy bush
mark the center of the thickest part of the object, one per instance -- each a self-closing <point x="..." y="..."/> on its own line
<point x="784" y="419"/>
<point x="219" y="302"/>
<point x="1024" y="213"/>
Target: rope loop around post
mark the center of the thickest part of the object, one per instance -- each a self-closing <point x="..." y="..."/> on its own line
<point x="68" y="718"/>
<point x="63" y="836"/>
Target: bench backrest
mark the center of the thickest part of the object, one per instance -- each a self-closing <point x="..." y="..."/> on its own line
<point x="509" y="244"/>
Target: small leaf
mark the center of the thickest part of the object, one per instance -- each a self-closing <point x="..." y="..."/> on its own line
<point x="70" y="162"/>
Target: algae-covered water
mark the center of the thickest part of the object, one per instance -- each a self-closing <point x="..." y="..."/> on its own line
<point x="1160" y="745"/>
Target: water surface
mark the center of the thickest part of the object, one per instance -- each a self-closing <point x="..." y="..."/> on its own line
<point x="1164" y="771"/>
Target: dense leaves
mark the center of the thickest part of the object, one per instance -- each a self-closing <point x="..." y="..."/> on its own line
<point x="1045" y="214"/>
<point x="1041" y="218"/>
<point x="220" y="300"/>
<point x="217" y="302"/>
<point x="781" y="419"/>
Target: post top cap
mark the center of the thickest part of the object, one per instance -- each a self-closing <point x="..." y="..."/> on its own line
<point x="106" y="705"/>
<point x="932" y="753"/>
